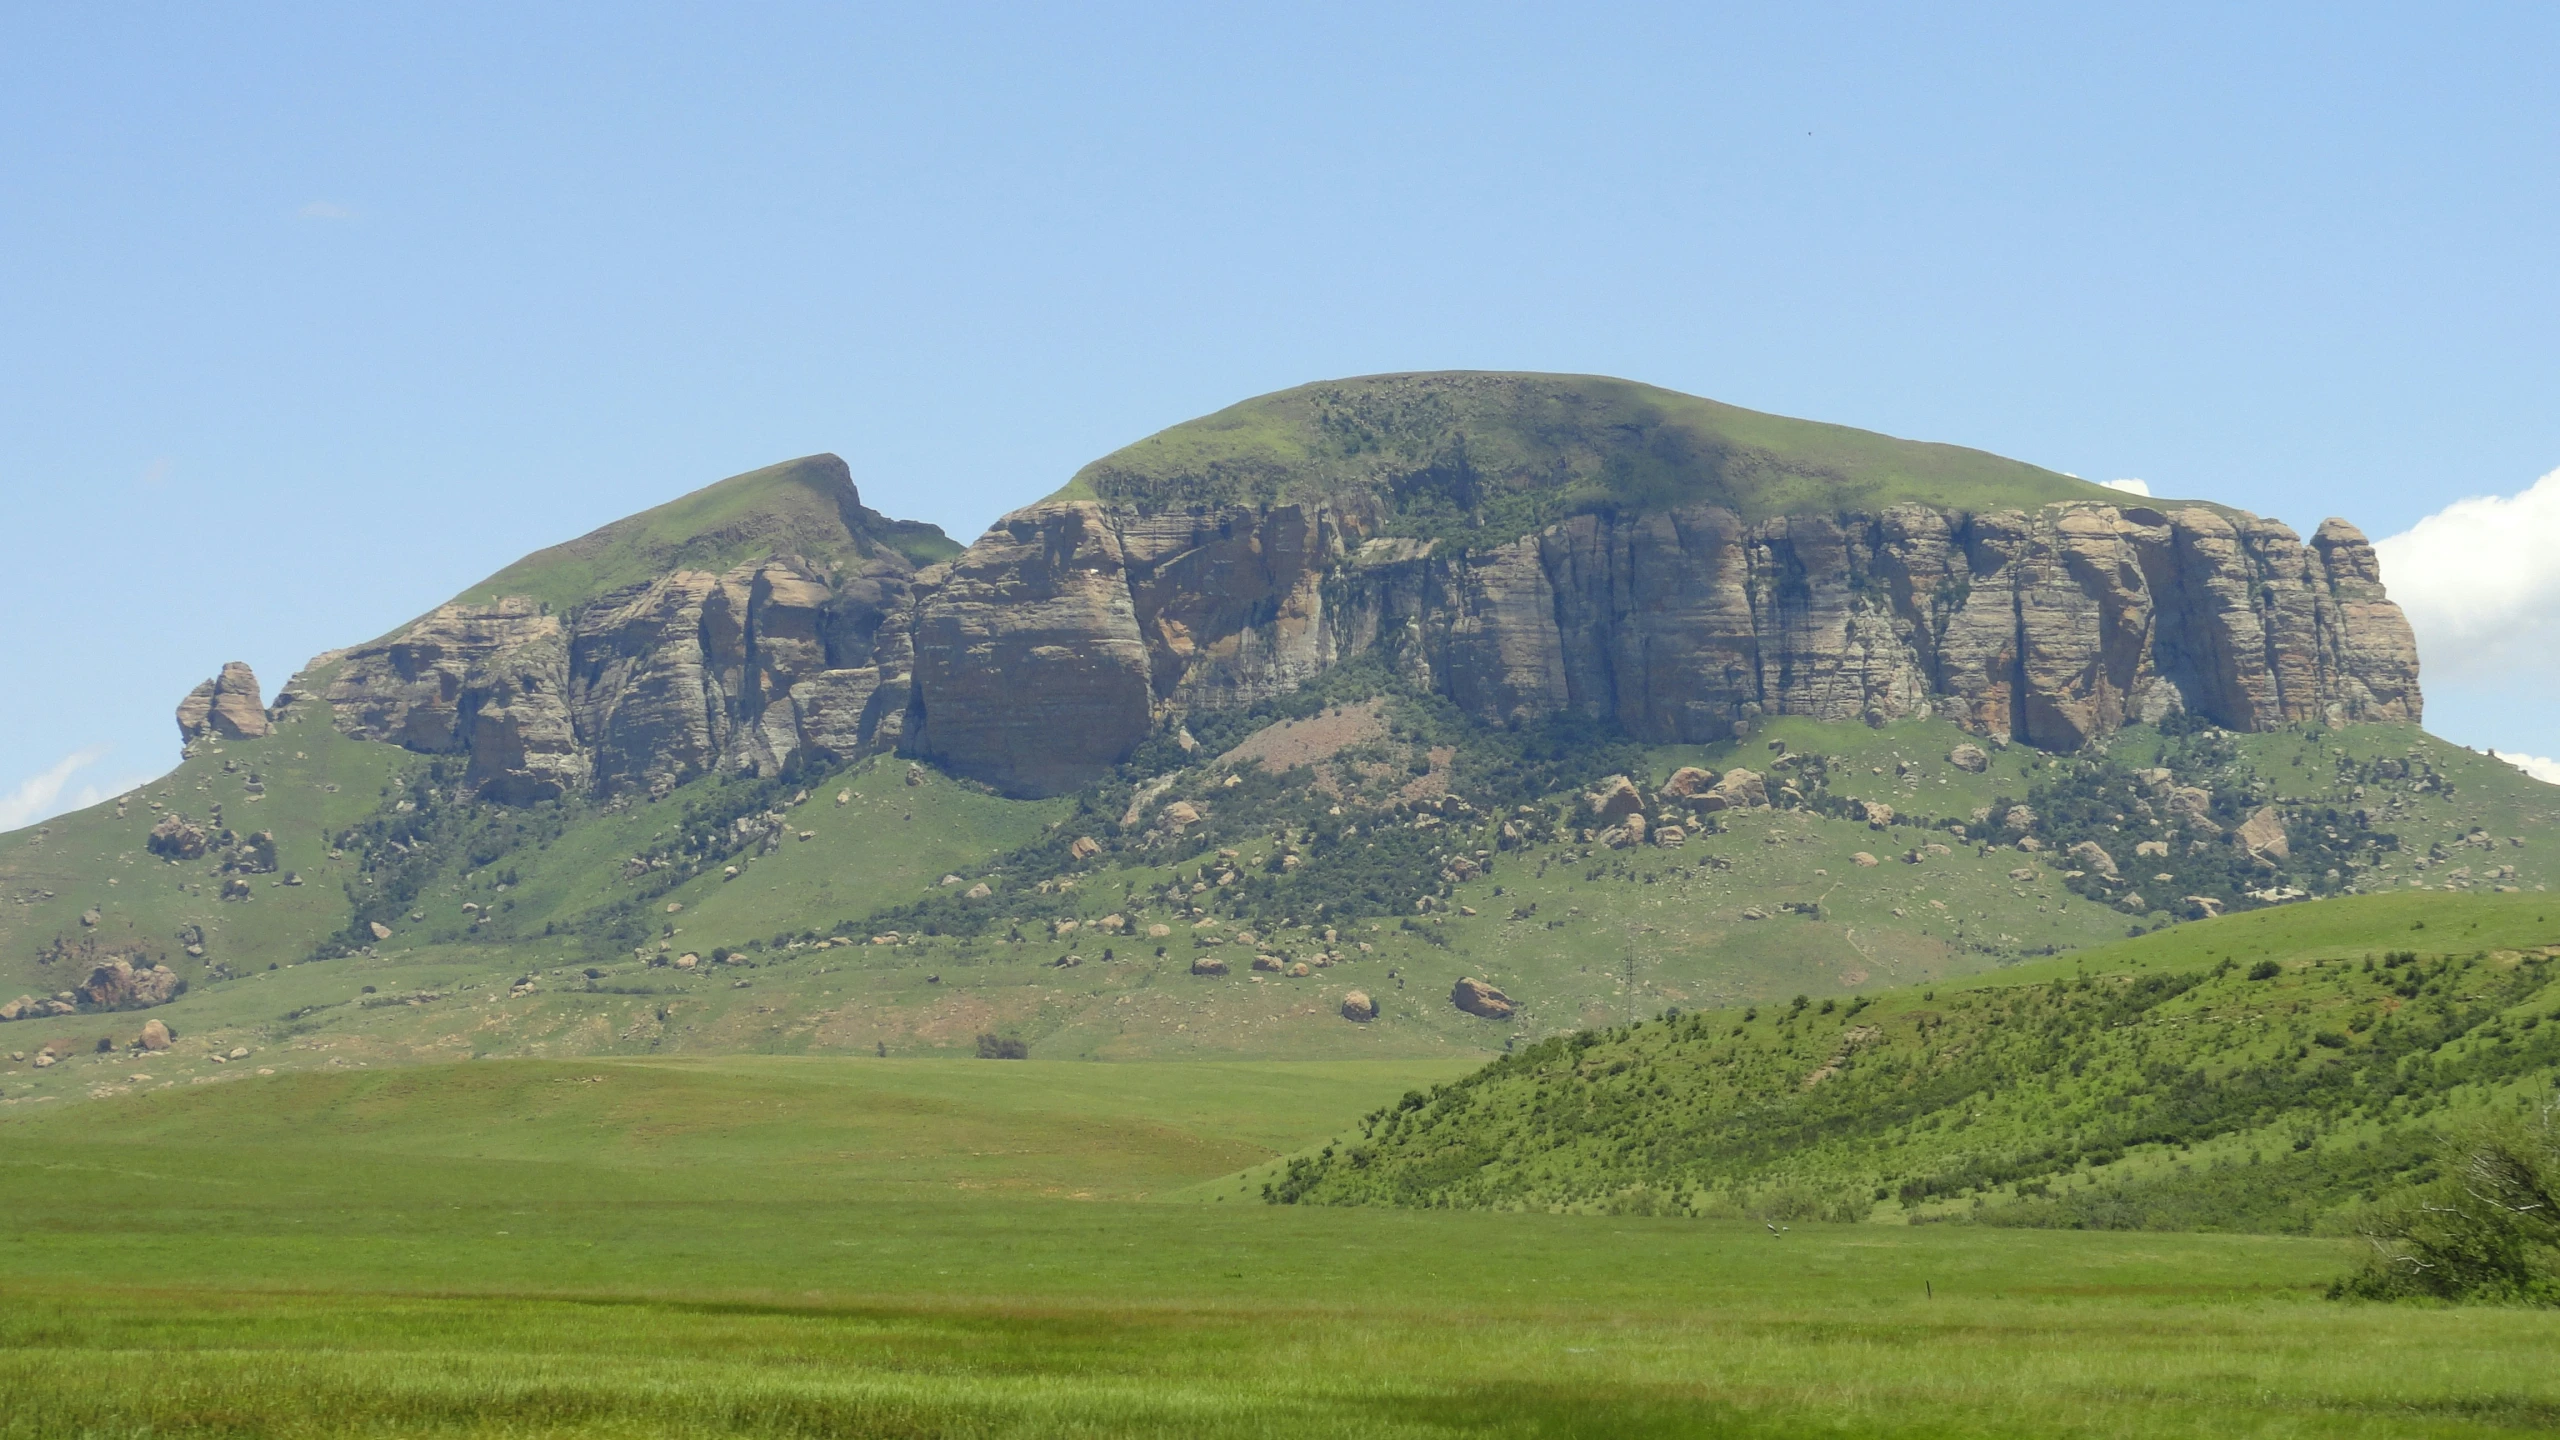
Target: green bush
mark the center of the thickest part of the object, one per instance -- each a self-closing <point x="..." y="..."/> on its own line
<point x="2485" y="1231"/>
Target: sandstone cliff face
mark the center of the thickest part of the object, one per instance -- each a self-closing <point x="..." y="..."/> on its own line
<point x="649" y="685"/>
<point x="1039" y="658"/>
<point x="1066" y="634"/>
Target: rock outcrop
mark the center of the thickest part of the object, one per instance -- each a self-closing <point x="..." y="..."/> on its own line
<point x="119" y="984"/>
<point x="641" y="687"/>
<point x="1059" y="647"/>
<point x="226" y="706"/>
<point x="1477" y="998"/>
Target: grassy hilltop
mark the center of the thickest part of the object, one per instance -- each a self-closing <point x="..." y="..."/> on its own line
<point x="1486" y="456"/>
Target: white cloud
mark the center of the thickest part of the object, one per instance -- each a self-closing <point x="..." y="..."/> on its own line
<point x="2544" y="770"/>
<point x="2130" y="487"/>
<point x="2480" y="588"/>
<point x="325" y="210"/>
<point x="40" y="795"/>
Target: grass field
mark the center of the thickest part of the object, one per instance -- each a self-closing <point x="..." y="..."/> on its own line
<point x="793" y="1247"/>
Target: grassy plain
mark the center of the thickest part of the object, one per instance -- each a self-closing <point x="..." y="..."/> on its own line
<point x="791" y="1247"/>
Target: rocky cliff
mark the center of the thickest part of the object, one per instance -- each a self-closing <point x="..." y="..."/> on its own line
<point x="640" y="685"/>
<point x="2052" y="626"/>
<point x="1525" y="545"/>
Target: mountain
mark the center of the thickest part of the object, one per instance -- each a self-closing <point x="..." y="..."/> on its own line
<point x="1609" y="698"/>
<point x="1524" y="545"/>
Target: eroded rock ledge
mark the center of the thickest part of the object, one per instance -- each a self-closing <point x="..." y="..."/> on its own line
<point x="1059" y="641"/>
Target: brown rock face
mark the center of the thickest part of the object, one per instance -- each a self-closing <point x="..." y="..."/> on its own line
<point x="1075" y="629"/>
<point x="2054" y="626"/>
<point x="226" y="706"/>
<point x="644" y="687"/>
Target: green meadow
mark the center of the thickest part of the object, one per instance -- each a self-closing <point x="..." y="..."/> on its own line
<point x="789" y="1246"/>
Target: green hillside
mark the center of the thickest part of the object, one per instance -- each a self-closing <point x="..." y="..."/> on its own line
<point x="548" y="929"/>
<point x="1485" y="456"/>
<point x="2265" y="1071"/>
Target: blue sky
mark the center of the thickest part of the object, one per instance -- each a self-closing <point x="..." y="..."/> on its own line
<point x="316" y="315"/>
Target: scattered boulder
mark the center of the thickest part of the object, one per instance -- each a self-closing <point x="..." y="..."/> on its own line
<point x="978" y="891"/>
<point x="174" y="838"/>
<point x="2019" y="818"/>
<point x="380" y="930"/>
<point x="89" y="918"/>
<point x="1874" y="812"/>
<point x="1208" y="965"/>
<point x="2190" y="805"/>
<point x="1181" y="815"/>
<point x="2262" y="835"/>
<point x="1737" y="790"/>
<point x="1159" y="931"/>
<point x="947" y="881"/>
<point x="118" y="985"/>
<point x="2202" y="907"/>
<point x="1060" y="929"/>
<point x="2023" y="872"/>
<point x="1477" y="998"/>
<point x="1301" y="970"/>
<point x="258" y="854"/>
<point x="1358" y="1008"/>
<point x="237" y="888"/>
<point x="154" y="1036"/>
<point x="2151" y="849"/>
<point x="2091" y="856"/>
<point x="1268" y="963"/>
<point x="1614" y="799"/>
<point x="2030" y="844"/>
<point x="1670" y="836"/>
<point x="1969" y="757"/>
<point x="1863" y="860"/>
<point x="1688" y="782"/>
<point x="1084" y="848"/>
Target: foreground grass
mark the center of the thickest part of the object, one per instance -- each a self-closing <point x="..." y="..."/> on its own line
<point x="501" y="1249"/>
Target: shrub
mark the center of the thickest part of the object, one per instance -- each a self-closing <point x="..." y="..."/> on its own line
<point x="1002" y="1047"/>
<point x="2486" y="1230"/>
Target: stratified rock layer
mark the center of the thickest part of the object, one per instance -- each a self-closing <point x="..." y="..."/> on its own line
<point x="1072" y="629"/>
<point x="648" y="685"/>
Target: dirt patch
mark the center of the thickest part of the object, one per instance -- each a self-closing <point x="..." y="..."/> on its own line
<point x="1288" y="744"/>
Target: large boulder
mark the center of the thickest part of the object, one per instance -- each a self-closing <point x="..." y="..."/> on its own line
<point x="1970" y="757"/>
<point x="118" y="984"/>
<point x="155" y="1036"/>
<point x="1737" y="790"/>
<point x="176" y="838"/>
<point x="1613" y="800"/>
<point x="1687" y="782"/>
<point x="1478" y="998"/>
<point x="2089" y="855"/>
<point x="2262" y="835"/>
